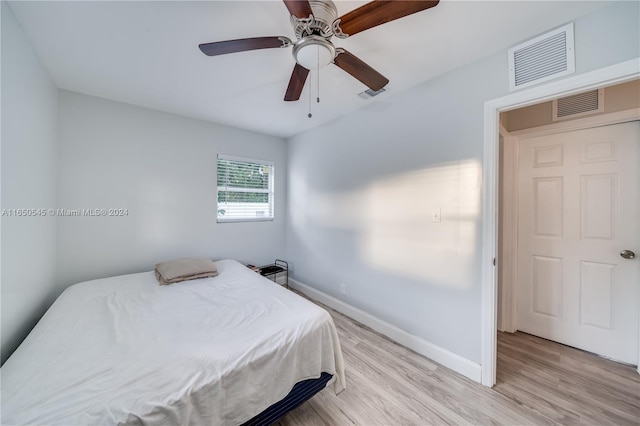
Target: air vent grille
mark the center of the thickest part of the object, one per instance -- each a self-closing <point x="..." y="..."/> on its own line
<point x="539" y="60"/>
<point x="542" y="58"/>
<point x="577" y="105"/>
<point x="367" y="94"/>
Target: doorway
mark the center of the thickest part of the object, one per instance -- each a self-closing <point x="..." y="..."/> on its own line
<point x="577" y="210"/>
<point x="619" y="73"/>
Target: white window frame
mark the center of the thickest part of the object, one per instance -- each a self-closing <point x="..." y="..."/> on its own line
<point x="270" y="190"/>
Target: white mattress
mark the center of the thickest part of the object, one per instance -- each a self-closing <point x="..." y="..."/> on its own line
<point x="124" y="350"/>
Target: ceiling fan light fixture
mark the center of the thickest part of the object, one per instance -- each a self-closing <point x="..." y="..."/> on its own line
<point x="314" y="52"/>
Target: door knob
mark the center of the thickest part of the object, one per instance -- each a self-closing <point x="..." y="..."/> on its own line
<point x="627" y="254"/>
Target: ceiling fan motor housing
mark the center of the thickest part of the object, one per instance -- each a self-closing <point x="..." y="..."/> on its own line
<point x="320" y="24"/>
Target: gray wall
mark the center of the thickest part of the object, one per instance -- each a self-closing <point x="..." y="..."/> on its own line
<point x="29" y="114"/>
<point x="362" y="190"/>
<point x="162" y="168"/>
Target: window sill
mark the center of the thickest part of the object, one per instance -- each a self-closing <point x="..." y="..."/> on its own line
<point x="254" y="219"/>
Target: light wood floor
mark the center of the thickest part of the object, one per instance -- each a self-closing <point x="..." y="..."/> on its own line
<point x="539" y="382"/>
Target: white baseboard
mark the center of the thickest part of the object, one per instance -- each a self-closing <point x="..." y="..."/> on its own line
<point x="440" y="355"/>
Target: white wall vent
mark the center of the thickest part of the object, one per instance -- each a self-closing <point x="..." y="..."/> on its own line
<point x="543" y="58"/>
<point x="577" y="105"/>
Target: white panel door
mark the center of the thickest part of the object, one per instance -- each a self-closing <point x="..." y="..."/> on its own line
<point x="577" y="210"/>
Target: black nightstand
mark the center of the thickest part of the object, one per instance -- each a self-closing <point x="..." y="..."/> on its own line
<point x="275" y="268"/>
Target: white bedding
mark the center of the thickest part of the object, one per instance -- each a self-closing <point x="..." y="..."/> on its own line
<point x="124" y="350"/>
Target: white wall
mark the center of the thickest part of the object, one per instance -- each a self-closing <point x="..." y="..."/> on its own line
<point x="362" y="190"/>
<point x="29" y="160"/>
<point x="162" y="168"/>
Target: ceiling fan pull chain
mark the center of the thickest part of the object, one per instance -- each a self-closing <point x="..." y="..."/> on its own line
<point x="318" y="74"/>
<point x="310" y="115"/>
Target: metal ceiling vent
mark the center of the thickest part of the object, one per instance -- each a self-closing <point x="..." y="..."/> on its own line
<point x="543" y="58"/>
<point x="577" y="105"/>
<point x="368" y="94"/>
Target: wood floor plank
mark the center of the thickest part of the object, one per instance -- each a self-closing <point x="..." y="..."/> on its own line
<point x="539" y="382"/>
<point x="586" y="391"/>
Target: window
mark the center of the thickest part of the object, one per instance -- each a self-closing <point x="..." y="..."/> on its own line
<point x="245" y="189"/>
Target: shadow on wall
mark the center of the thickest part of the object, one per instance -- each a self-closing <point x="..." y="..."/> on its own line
<point x="420" y="225"/>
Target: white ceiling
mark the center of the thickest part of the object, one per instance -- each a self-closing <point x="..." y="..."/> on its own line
<point x="146" y="53"/>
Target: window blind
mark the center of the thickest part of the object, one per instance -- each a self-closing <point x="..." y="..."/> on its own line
<point x="245" y="189"/>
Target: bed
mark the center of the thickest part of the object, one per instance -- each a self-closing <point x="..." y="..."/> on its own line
<point x="214" y="351"/>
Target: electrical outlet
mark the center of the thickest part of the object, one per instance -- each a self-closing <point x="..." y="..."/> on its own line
<point x="343" y="289"/>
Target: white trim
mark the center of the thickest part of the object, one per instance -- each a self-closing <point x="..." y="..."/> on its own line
<point x="440" y="355"/>
<point x="245" y="159"/>
<point x="489" y="252"/>
<point x="614" y="74"/>
<point x="245" y="219"/>
<point x="611" y="75"/>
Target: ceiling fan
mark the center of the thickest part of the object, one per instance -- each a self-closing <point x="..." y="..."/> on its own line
<point x="315" y="22"/>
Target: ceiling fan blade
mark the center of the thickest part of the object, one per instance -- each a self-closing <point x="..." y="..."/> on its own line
<point x="296" y="83"/>
<point x="243" y="44"/>
<point x="379" y="12"/>
<point x="363" y="72"/>
<point x="299" y="8"/>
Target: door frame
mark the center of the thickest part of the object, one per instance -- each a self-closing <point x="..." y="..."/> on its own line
<point x="614" y="74"/>
<point x="508" y="255"/>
